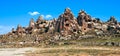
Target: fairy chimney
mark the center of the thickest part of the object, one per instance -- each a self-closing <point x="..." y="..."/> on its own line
<point x="32" y="23"/>
<point x="39" y="20"/>
<point x="66" y="23"/>
<point x="84" y="20"/>
<point x="19" y="30"/>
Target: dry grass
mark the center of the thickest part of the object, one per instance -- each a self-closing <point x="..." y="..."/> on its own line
<point x="76" y="51"/>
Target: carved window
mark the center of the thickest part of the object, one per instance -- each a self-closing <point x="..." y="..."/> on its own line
<point x="66" y="20"/>
<point x="84" y="28"/>
<point x="94" y="20"/>
<point x="67" y="25"/>
<point x="89" y="25"/>
<point x="74" y="30"/>
<point x="89" y="20"/>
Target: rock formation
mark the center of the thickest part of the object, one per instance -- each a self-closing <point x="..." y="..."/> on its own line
<point x="113" y="26"/>
<point x="19" y="30"/>
<point x="84" y="21"/>
<point x="66" y="23"/>
<point x="112" y="20"/>
<point x="40" y="23"/>
<point x="32" y="23"/>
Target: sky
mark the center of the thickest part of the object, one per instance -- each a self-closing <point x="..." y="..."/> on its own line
<point x="14" y="12"/>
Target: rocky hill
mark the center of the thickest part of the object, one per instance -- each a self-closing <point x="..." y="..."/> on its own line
<point x="66" y="27"/>
<point x="67" y="24"/>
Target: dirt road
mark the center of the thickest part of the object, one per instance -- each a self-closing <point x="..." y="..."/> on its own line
<point x="82" y="48"/>
<point x="22" y="51"/>
<point x="15" y="51"/>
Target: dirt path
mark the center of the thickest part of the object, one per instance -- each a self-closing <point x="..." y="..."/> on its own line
<point x="82" y="48"/>
<point x="22" y="51"/>
<point x="14" y="51"/>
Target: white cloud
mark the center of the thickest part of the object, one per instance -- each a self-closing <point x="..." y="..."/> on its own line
<point x="43" y="16"/>
<point x="33" y="13"/>
<point x="48" y="16"/>
<point x="5" y="29"/>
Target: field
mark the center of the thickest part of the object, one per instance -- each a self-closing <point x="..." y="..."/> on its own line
<point x="72" y="50"/>
<point x="102" y="46"/>
<point x="97" y="46"/>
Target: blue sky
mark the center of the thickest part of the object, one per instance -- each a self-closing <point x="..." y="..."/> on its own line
<point x="14" y="12"/>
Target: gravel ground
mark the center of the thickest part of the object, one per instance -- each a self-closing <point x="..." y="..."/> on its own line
<point x="15" y="51"/>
